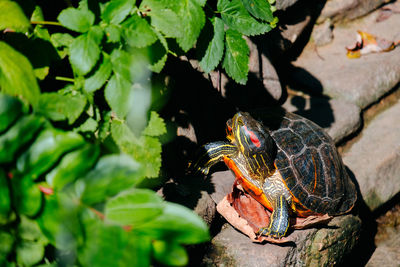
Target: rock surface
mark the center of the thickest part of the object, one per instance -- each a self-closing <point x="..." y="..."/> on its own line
<point x="388" y="253"/>
<point x="339" y="10"/>
<point x="323" y="34"/>
<point x="284" y="4"/>
<point x="338" y="118"/>
<point x="387" y="239"/>
<point x="328" y="71"/>
<point x="311" y="247"/>
<point x="375" y="158"/>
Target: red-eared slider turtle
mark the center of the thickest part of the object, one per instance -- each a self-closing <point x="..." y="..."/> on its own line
<point x="287" y="163"/>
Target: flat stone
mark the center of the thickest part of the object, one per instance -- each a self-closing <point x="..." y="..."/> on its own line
<point x="339" y="10"/>
<point x="375" y="158"/>
<point x="310" y="247"/>
<point x="284" y="4"/>
<point x="360" y="81"/>
<point x="387" y="253"/>
<point x="339" y="118"/>
<point x="323" y="34"/>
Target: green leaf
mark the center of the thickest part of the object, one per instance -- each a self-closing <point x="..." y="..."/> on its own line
<point x="85" y="51"/>
<point x="90" y="125"/>
<point x="170" y="253"/>
<point x="97" y="80"/>
<point x="79" y="20"/>
<point x="73" y="166"/>
<point x="5" y="201"/>
<point x="113" y="33"/>
<point x="10" y="110"/>
<point x="29" y="253"/>
<point x="215" y="48"/>
<point x="6" y="244"/>
<point x="37" y="14"/>
<point x="137" y="32"/>
<point x="58" y="107"/>
<point x="162" y="18"/>
<point x="60" y="222"/>
<point x="235" y="15"/>
<point x="111" y="174"/>
<point x="201" y="2"/>
<point x="115" y="11"/>
<point x="27" y="196"/>
<point x="29" y="230"/>
<point x="260" y="9"/>
<point x="132" y="65"/>
<point x="133" y="207"/>
<point x="61" y="41"/>
<point x="12" y="17"/>
<point x="236" y="60"/>
<point x="17" y="76"/>
<point x="118" y="95"/>
<point x="23" y="131"/>
<point x="156" y="126"/>
<point x="158" y="54"/>
<point x="177" y="224"/>
<point x="146" y="149"/>
<point x="111" y="246"/>
<point x="45" y="151"/>
<point x="192" y="19"/>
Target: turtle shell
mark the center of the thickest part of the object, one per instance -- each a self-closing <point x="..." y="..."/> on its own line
<point x="309" y="163"/>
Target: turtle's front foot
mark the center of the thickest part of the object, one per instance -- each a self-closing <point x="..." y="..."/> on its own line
<point x="267" y="231"/>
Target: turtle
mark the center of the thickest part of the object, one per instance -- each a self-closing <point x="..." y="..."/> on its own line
<point x="287" y="163"/>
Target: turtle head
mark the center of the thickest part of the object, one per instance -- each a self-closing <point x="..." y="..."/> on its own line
<point x="252" y="139"/>
<point x="248" y="134"/>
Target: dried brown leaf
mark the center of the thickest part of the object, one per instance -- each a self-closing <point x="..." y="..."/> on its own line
<point x="247" y="215"/>
<point x="367" y="43"/>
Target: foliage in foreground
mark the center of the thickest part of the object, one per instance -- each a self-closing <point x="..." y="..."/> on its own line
<point x="75" y="151"/>
<point x="58" y="190"/>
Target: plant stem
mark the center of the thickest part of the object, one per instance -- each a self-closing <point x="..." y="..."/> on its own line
<point x="65" y="79"/>
<point x="55" y="23"/>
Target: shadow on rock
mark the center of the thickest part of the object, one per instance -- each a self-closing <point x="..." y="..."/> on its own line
<point x="362" y="252"/>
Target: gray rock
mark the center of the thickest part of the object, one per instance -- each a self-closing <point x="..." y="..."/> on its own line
<point x="387" y="253"/>
<point x="311" y="247"/>
<point x="262" y="68"/>
<point x="342" y="10"/>
<point x="338" y="118"/>
<point x="375" y="158"/>
<point x="360" y="81"/>
<point x="323" y="34"/>
<point x="206" y="208"/>
<point x="284" y="4"/>
<point x="290" y="33"/>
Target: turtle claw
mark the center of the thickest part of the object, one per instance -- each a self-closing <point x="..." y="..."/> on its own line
<point x="267" y="231"/>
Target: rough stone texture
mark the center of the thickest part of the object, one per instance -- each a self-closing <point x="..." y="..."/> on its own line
<point x="323" y="34"/>
<point x="375" y="158"/>
<point x="338" y="118"/>
<point x="387" y="253"/>
<point x="284" y="4"/>
<point x="206" y="208"/>
<point x="328" y="71"/>
<point x="339" y="10"/>
<point x="262" y="68"/>
<point x="291" y="32"/>
<point x="311" y="247"/>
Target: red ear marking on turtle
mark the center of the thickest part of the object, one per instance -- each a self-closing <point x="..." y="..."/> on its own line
<point x="253" y="137"/>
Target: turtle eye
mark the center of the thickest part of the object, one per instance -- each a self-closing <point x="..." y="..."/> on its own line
<point x="252" y="137"/>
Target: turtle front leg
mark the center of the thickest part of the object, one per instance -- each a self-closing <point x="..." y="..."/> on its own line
<point x="279" y="221"/>
<point x="210" y="154"/>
